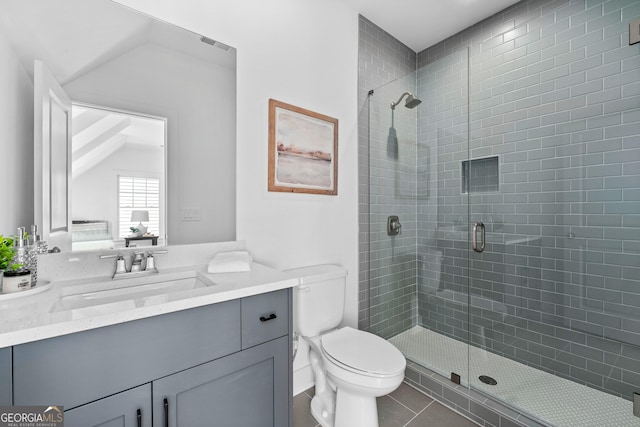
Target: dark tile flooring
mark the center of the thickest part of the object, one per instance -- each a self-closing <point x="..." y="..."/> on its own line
<point x="405" y="407"/>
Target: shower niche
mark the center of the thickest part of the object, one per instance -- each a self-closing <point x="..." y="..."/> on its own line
<point x="480" y="175"/>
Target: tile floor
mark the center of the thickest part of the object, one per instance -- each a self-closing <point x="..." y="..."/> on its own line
<point x="405" y="407"/>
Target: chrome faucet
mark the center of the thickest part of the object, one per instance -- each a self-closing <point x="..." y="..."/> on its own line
<point x="141" y="263"/>
<point x="138" y="261"/>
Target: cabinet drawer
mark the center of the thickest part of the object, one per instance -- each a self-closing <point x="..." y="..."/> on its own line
<point x="79" y="368"/>
<point x="265" y="317"/>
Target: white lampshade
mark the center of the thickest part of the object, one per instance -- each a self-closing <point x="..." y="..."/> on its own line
<point x="139" y="216"/>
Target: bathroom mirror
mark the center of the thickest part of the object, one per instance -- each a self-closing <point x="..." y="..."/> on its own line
<point x="110" y="58"/>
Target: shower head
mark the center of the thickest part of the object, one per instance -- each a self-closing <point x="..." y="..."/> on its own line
<point x="411" y="102"/>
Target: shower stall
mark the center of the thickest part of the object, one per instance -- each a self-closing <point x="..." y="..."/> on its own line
<point x="516" y="182"/>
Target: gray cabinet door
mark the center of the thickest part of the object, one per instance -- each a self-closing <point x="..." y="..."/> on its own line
<point x="119" y="410"/>
<point x="248" y="389"/>
<point x="6" y="384"/>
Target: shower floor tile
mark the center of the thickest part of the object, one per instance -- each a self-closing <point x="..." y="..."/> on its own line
<point x="557" y="401"/>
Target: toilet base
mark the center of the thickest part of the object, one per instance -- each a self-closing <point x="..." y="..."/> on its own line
<point x="355" y="410"/>
<point x="320" y="413"/>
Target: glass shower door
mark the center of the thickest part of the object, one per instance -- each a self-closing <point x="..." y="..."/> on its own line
<point x="392" y="213"/>
<point x="552" y="179"/>
<point x="443" y="212"/>
<point x="419" y="277"/>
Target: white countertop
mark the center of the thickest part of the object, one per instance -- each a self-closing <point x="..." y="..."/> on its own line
<point x="32" y="317"/>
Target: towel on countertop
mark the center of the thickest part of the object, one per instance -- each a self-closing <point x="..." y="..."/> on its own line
<point x="230" y="262"/>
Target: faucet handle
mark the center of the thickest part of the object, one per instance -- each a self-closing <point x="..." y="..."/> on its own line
<point x="151" y="262"/>
<point x="121" y="265"/>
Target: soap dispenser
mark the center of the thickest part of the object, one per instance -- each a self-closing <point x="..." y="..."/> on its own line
<point x="21" y="255"/>
<point x="36" y="242"/>
<point x="36" y="247"/>
<point x="19" y="279"/>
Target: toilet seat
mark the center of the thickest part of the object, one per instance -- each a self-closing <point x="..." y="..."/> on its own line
<point x="363" y="353"/>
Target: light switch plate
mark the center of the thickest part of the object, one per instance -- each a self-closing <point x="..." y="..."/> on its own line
<point x="634" y="31"/>
<point x="191" y="214"/>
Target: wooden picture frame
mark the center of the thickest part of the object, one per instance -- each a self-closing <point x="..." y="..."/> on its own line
<point x="303" y="150"/>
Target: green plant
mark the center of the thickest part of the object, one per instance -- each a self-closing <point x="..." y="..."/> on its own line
<point x="7" y="251"/>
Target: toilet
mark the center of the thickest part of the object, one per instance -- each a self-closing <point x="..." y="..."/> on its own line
<point x="351" y="368"/>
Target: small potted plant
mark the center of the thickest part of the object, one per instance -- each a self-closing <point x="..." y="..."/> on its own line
<point x="7" y="252"/>
<point x="12" y="277"/>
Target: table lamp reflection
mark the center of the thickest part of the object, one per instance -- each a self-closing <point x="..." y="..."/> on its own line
<point x="140" y="217"/>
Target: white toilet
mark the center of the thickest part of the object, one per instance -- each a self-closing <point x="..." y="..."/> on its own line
<point x="350" y="367"/>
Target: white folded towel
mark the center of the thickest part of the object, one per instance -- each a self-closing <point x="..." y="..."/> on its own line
<point x="230" y="262"/>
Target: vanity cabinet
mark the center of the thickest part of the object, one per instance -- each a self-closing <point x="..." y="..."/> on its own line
<point x="225" y="364"/>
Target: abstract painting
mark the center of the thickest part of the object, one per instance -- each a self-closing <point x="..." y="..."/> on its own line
<point x="303" y="150"/>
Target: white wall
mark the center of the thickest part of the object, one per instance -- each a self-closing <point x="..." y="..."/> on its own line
<point x="303" y="52"/>
<point x="16" y="142"/>
<point x="89" y="204"/>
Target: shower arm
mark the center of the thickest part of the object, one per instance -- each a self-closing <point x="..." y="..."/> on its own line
<point x="393" y="104"/>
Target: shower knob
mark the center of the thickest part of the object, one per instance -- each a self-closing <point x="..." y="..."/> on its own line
<point x="393" y="225"/>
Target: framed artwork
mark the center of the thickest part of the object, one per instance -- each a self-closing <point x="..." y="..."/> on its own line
<point x="303" y="150"/>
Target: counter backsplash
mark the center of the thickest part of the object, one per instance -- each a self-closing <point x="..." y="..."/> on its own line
<point x="76" y="265"/>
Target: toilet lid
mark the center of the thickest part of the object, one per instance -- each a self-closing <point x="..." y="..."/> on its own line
<point x="363" y="351"/>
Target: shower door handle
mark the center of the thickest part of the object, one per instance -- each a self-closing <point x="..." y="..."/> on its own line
<point x="474" y="238"/>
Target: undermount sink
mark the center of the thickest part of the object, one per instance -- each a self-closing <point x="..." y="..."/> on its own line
<point x="113" y="296"/>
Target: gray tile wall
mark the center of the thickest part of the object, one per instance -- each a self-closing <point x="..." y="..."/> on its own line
<point x="387" y="264"/>
<point x="554" y="91"/>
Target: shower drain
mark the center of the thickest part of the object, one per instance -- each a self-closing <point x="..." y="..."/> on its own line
<point x="487" y="380"/>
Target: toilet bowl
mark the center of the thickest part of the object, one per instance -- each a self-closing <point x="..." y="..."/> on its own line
<point x="350" y="367"/>
<point x="362" y="367"/>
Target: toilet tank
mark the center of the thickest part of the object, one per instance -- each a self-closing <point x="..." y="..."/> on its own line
<point x="318" y="301"/>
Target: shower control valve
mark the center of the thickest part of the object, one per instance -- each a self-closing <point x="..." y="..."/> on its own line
<point x="393" y="225"/>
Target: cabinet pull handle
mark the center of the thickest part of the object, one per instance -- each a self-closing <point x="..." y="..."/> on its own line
<point x="166" y="412"/>
<point x="139" y="415"/>
<point x="266" y="319"/>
